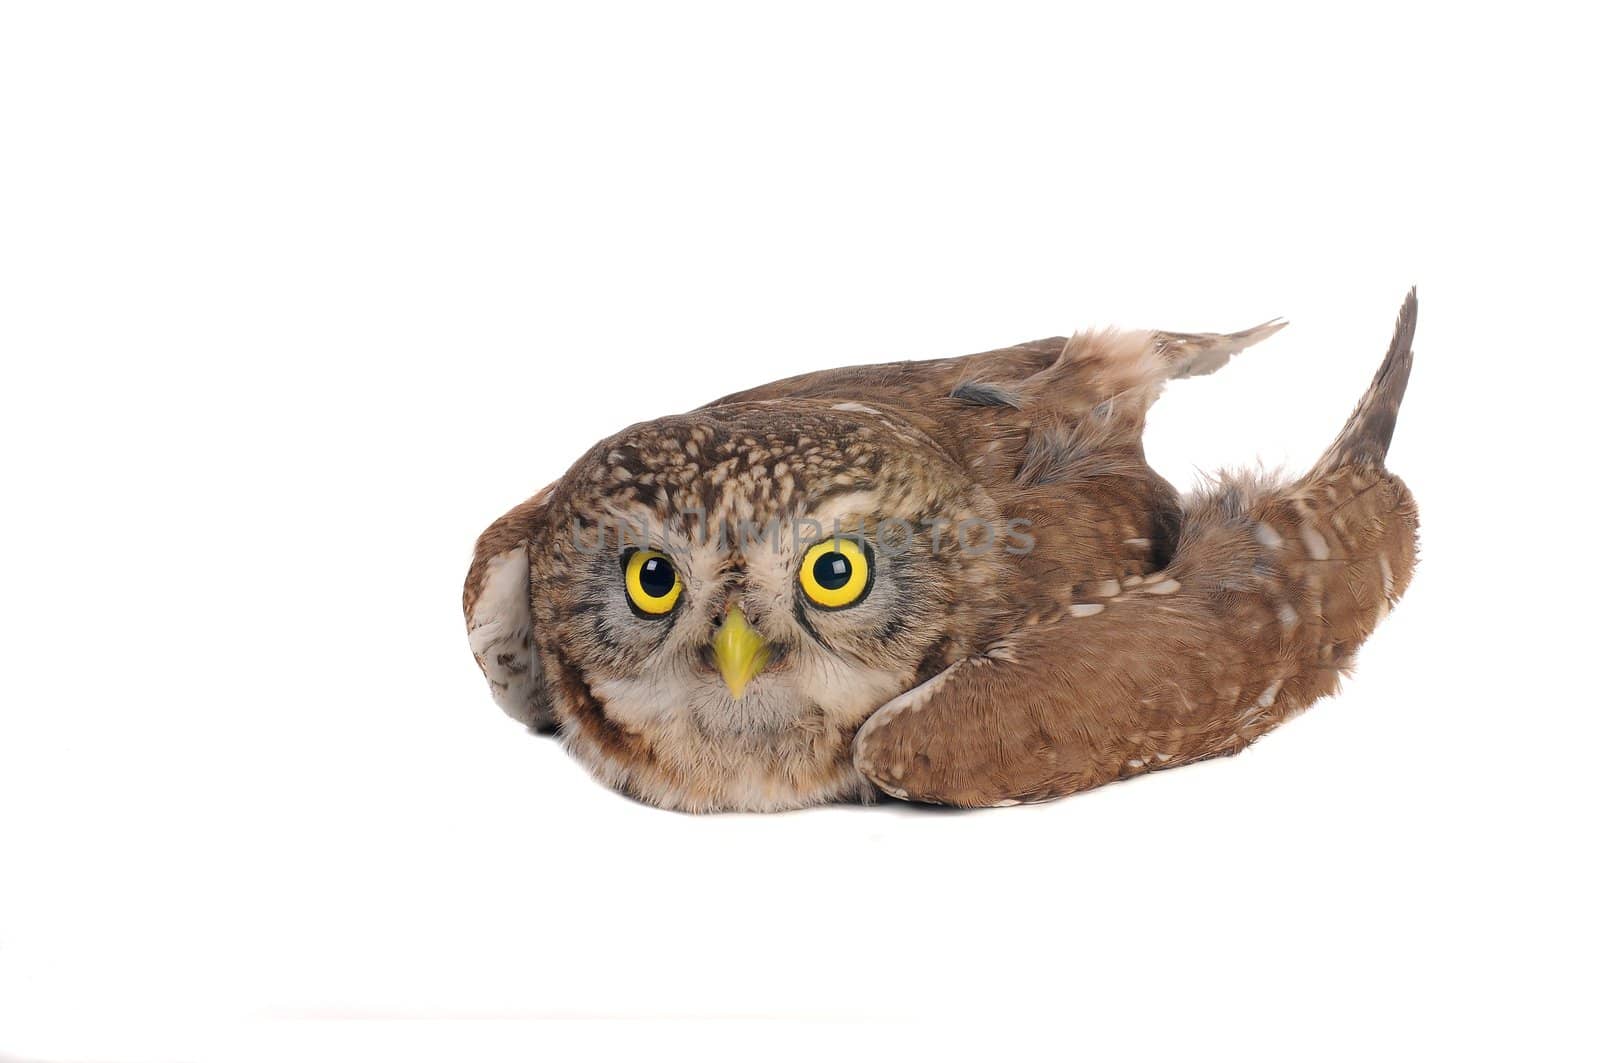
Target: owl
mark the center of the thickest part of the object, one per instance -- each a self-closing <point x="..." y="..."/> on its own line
<point x="954" y="581"/>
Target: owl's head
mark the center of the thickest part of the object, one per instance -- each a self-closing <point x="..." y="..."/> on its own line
<point x="717" y="601"/>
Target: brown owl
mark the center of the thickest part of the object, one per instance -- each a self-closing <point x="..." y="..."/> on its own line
<point x="953" y="581"/>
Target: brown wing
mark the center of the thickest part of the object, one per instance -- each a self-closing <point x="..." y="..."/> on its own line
<point x="907" y="385"/>
<point x="985" y="409"/>
<point x="1038" y="369"/>
<point x="1270" y="591"/>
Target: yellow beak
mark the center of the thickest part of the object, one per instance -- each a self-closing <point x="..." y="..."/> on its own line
<point x="740" y="651"/>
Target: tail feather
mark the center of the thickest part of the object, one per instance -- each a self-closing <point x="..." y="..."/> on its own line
<point x="1365" y="438"/>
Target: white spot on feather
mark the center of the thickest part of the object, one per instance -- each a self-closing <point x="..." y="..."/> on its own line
<point x="1388" y="585"/>
<point x="1002" y="650"/>
<point x="1316" y="545"/>
<point x="1268" y="536"/>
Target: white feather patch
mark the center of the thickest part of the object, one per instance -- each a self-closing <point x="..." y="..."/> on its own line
<point x="500" y="632"/>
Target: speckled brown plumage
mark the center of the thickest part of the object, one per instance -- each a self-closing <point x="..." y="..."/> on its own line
<point x="1139" y="630"/>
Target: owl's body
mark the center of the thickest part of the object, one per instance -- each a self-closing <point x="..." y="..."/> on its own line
<point x="954" y="581"/>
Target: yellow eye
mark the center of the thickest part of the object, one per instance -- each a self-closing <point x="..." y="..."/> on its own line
<point x="653" y="584"/>
<point x="836" y="573"/>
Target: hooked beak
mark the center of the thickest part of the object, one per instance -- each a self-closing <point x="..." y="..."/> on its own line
<point x="740" y="651"/>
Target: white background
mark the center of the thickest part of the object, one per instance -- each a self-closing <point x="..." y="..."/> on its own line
<point x="296" y="298"/>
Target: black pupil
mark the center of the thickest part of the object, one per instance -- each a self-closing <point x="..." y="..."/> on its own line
<point x="656" y="577"/>
<point x="831" y="571"/>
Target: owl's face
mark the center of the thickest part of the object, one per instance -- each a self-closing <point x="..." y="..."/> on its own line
<point x="719" y="602"/>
